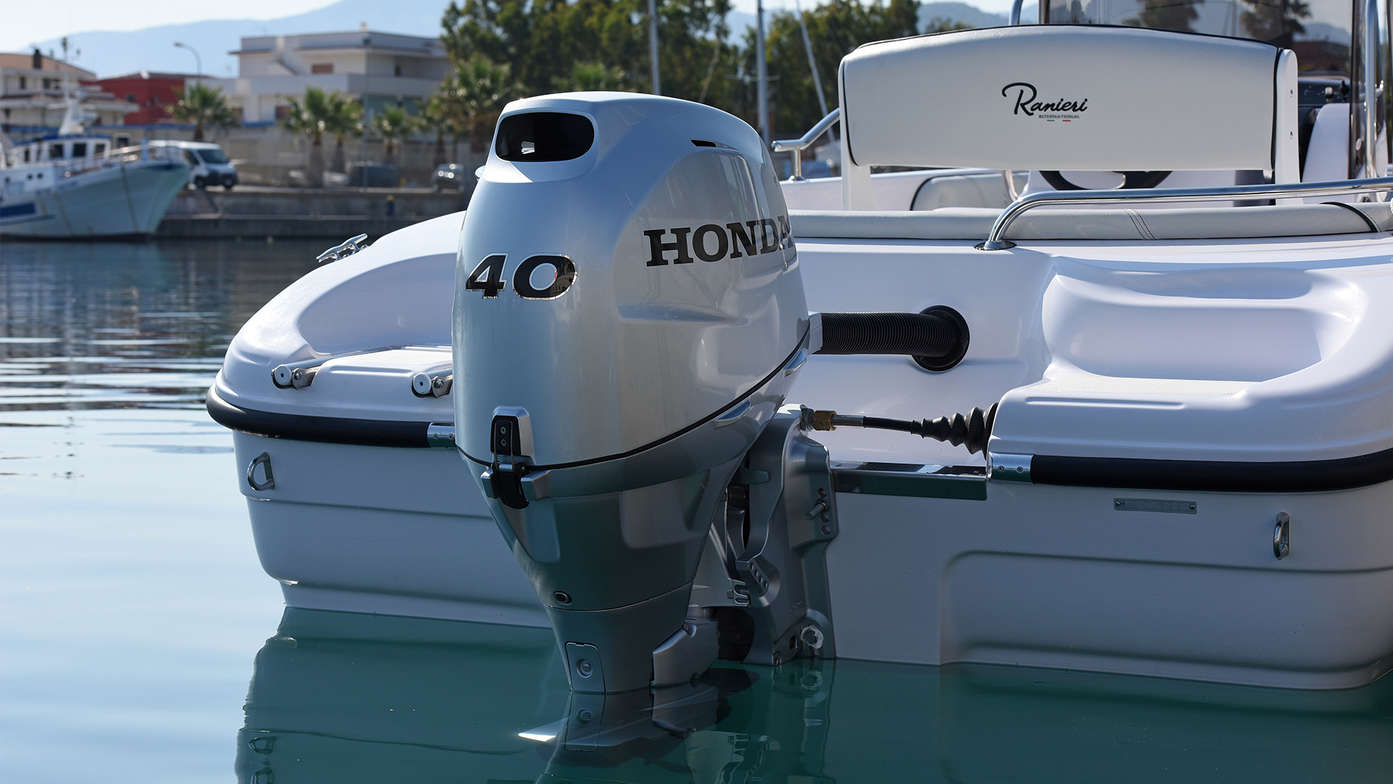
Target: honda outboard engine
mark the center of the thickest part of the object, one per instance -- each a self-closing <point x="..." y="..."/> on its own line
<point x="628" y="318"/>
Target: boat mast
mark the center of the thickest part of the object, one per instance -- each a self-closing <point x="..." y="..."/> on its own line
<point x="761" y="73"/>
<point x="812" y="63"/>
<point x="653" y="44"/>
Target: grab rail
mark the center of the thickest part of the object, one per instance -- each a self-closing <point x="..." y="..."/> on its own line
<point x="1015" y="17"/>
<point x="1370" y="87"/>
<point x="797" y="146"/>
<point x="996" y="239"/>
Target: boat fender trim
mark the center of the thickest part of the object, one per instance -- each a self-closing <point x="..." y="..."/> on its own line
<point x="1219" y="476"/>
<point x="937" y="337"/>
<point x="303" y="427"/>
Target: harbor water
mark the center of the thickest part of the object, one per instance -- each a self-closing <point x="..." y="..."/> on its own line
<point x="140" y="641"/>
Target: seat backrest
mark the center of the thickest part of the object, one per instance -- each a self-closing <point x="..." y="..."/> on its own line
<point x="1067" y="97"/>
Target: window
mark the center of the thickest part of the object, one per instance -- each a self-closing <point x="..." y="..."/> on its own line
<point x="321" y="68"/>
<point x="79" y="149"/>
<point x="99" y="149"/>
<point x="130" y="97"/>
<point x="123" y="141"/>
<point x="26" y="154"/>
<point x="190" y="159"/>
<point x="212" y="155"/>
<point x="396" y="70"/>
<point x="55" y="152"/>
<point x="23" y="84"/>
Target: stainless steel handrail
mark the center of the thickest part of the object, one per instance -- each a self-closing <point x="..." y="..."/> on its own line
<point x="1369" y="57"/>
<point x="797" y="146"/>
<point x="996" y="239"/>
<point x="1015" y="17"/>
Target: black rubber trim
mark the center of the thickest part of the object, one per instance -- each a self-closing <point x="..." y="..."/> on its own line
<point x="1367" y="220"/>
<point x="802" y="343"/>
<point x="1221" y="476"/>
<point x="303" y="427"/>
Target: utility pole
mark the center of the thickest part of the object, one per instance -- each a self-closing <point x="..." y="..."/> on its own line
<point x="653" y="44"/>
<point x="761" y="73"/>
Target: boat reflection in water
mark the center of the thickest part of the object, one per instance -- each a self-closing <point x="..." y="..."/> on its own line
<point x="353" y="698"/>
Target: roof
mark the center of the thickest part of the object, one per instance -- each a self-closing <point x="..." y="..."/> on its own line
<point x="347" y="39"/>
<point x="25" y="61"/>
<point x="152" y="75"/>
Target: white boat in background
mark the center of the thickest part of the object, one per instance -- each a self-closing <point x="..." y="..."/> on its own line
<point x="72" y="185"/>
<point x="1176" y="395"/>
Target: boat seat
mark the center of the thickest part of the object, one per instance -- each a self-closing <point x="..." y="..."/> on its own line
<point x="1071" y="98"/>
<point x="973" y="224"/>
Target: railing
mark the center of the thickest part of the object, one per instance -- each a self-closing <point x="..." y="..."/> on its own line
<point x="996" y="239"/>
<point x="1370" y="88"/>
<point x="797" y="146"/>
<point x="1015" y="17"/>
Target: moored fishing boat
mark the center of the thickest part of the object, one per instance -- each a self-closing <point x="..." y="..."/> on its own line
<point x="1179" y="388"/>
<point x="73" y="185"/>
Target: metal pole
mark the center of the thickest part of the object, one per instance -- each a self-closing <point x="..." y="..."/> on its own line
<point x="812" y="64"/>
<point x="653" y="44"/>
<point x="761" y="74"/>
<point x="1370" y="88"/>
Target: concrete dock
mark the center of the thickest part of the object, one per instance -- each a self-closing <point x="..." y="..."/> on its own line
<point x="258" y="212"/>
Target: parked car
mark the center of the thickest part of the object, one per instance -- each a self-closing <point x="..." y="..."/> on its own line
<point x="374" y="175"/>
<point x="449" y="176"/>
<point x="208" y="164"/>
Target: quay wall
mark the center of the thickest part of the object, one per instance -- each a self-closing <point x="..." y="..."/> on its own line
<point x="249" y="212"/>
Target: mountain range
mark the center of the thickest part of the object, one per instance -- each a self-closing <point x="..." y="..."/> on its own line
<point x="111" y="53"/>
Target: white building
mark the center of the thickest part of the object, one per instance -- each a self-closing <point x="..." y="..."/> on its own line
<point x="380" y="69"/>
<point x="31" y="95"/>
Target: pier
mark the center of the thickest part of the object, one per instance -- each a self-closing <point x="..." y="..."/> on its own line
<point x="258" y="212"/>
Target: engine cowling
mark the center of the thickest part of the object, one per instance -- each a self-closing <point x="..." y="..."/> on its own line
<point x="628" y="317"/>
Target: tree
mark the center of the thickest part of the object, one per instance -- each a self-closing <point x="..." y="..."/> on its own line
<point x="542" y="40"/>
<point x="1275" y="21"/>
<point x="442" y="116"/>
<point x="343" y="117"/>
<point x="394" y="125"/>
<point x="835" y="28"/>
<point x="476" y="92"/>
<point x="310" y="119"/>
<point x="1177" y="15"/>
<point x="593" y="76"/>
<point x="205" y="107"/>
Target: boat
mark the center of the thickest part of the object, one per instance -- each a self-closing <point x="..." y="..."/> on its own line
<point x="1093" y="376"/>
<point x="74" y="185"/>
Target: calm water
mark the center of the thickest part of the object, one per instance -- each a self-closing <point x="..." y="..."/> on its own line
<point x="139" y="640"/>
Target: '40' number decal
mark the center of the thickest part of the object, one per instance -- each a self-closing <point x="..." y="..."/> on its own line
<point x="488" y="276"/>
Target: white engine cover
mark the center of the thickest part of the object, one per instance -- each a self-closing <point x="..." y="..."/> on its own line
<point x="647" y="280"/>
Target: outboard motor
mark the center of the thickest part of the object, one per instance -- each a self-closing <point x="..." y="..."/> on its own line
<point x="628" y="318"/>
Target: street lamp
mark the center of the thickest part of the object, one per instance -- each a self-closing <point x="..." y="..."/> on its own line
<point x="198" y="61"/>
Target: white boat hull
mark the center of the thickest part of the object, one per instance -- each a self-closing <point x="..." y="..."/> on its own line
<point x="128" y="199"/>
<point x="1021" y="577"/>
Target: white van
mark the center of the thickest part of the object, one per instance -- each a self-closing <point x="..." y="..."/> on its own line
<point x="208" y="164"/>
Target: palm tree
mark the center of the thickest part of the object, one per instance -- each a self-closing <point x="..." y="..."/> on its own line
<point x="311" y="118"/>
<point x="447" y="120"/>
<point x="205" y="107"/>
<point x="393" y="124"/>
<point x="478" y="90"/>
<point x="344" y="117"/>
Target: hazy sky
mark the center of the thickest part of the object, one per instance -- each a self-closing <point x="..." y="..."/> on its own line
<point x="60" y="17"/>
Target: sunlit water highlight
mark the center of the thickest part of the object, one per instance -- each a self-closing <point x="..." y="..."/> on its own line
<point x="140" y="641"/>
